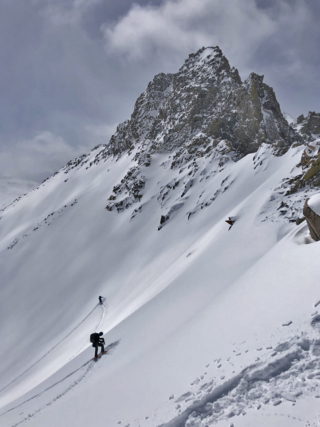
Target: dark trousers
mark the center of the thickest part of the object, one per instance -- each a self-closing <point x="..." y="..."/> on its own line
<point x="97" y="345"/>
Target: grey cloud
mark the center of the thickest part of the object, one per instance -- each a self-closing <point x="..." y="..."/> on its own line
<point x="289" y="58"/>
<point x="278" y="39"/>
<point x="105" y="12"/>
<point x="38" y="157"/>
<point x="266" y="4"/>
<point x="53" y="79"/>
<point x="53" y="76"/>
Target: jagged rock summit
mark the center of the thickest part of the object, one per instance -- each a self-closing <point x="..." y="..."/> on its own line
<point x="203" y="109"/>
<point x="204" y="103"/>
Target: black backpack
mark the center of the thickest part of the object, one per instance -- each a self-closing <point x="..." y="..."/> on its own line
<point x="94" y="338"/>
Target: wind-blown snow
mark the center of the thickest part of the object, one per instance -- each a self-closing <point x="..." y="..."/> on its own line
<point x="290" y="119"/>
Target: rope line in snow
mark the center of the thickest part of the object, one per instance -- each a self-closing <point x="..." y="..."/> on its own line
<point x="89" y="362"/>
<point x="56" y="345"/>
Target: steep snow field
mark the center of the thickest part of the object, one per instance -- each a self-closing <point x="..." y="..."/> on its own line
<point x="203" y="324"/>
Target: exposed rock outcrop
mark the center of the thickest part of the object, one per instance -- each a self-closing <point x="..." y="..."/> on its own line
<point x="310" y="125"/>
<point x="313" y="221"/>
<point x="309" y="129"/>
<point x="128" y="191"/>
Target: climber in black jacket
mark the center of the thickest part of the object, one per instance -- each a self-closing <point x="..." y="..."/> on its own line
<point x="97" y="342"/>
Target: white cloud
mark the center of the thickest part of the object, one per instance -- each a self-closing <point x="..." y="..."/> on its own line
<point x="37" y="158"/>
<point x="279" y="41"/>
<point x="186" y="25"/>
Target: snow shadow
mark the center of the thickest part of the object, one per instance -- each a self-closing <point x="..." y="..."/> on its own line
<point x="302" y="236"/>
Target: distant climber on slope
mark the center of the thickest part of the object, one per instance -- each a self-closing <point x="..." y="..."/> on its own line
<point x="97" y="342"/>
<point x="101" y="299"/>
<point x="230" y="222"/>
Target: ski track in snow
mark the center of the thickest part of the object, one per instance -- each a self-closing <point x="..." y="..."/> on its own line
<point x="89" y="365"/>
<point x="104" y="308"/>
<point x="56" y="345"/>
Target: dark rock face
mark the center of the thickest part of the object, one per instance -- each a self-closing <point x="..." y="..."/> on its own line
<point x="309" y="129"/>
<point x="313" y="221"/>
<point x="206" y="102"/>
<point x="128" y="191"/>
<point x="259" y="119"/>
<point x="310" y="125"/>
<point x="145" y="110"/>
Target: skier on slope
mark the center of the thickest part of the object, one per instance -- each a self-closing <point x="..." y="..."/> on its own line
<point x="97" y="342"/>
<point x="230" y="222"/>
<point x="101" y="299"/>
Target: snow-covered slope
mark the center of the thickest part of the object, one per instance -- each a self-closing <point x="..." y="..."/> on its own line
<point x="203" y="323"/>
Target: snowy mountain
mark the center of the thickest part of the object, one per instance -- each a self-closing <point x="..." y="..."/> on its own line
<point x="204" y="323"/>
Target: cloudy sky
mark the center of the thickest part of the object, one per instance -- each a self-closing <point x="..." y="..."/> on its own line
<point x="71" y="70"/>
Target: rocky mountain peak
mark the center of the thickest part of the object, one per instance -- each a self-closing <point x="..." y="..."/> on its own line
<point x="197" y="124"/>
<point x="207" y="62"/>
<point x="204" y="103"/>
<point x="204" y="111"/>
